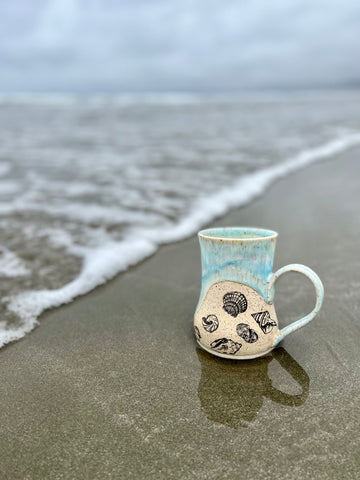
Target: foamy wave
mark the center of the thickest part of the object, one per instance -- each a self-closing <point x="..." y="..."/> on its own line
<point x="101" y="264"/>
<point x="248" y="187"/>
<point x="11" y="265"/>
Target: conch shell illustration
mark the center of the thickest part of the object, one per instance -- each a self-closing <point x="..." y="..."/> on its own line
<point x="210" y="323"/>
<point x="234" y="303"/>
<point x="264" y="321"/>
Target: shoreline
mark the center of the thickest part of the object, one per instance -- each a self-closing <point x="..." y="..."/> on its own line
<point x="117" y="371"/>
<point x="30" y="305"/>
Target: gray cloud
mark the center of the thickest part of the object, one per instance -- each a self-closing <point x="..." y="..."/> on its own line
<point x="147" y="45"/>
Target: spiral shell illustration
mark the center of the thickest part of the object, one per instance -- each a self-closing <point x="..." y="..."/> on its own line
<point x="225" y="345"/>
<point x="234" y="303"/>
<point x="264" y="321"/>
<point x="197" y="333"/>
<point x="246" y="333"/>
<point x="210" y="323"/>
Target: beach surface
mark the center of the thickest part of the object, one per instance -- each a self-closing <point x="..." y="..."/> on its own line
<point x="113" y="386"/>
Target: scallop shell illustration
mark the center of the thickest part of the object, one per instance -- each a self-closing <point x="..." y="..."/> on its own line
<point x="264" y="321"/>
<point x="246" y="333"/>
<point x="234" y="303"/>
<point x="225" y="345"/>
<point x="210" y="323"/>
<point x="197" y="333"/>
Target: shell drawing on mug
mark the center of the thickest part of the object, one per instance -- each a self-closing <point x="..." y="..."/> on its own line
<point x="234" y="303"/>
<point x="225" y="345"/>
<point x="246" y="333"/>
<point x="265" y="322"/>
<point x="210" y="323"/>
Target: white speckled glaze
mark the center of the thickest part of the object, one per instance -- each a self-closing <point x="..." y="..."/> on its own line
<point x="235" y="317"/>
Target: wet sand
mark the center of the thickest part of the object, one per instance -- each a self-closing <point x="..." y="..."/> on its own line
<point x="113" y="386"/>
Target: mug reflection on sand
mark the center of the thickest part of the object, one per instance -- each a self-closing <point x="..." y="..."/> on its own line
<point x="233" y="393"/>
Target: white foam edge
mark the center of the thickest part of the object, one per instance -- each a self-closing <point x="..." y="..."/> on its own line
<point x="104" y="263"/>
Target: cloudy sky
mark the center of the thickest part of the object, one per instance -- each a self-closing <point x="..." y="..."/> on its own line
<point x="178" y="45"/>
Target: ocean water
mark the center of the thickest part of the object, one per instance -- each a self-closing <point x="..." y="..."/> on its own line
<point x="92" y="185"/>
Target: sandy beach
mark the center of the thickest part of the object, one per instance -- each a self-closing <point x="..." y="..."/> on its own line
<point x="113" y="385"/>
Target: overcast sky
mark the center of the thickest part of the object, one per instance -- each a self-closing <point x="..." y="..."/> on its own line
<point x="178" y="45"/>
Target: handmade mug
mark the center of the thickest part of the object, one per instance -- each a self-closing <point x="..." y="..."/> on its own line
<point x="235" y="316"/>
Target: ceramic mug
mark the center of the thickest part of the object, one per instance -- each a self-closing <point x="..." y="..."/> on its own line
<point x="235" y="316"/>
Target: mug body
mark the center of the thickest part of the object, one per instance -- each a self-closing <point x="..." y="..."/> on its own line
<point x="233" y="318"/>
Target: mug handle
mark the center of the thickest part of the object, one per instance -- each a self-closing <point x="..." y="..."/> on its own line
<point x="319" y="291"/>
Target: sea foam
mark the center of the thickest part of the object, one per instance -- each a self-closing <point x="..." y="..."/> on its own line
<point x="103" y="263"/>
<point x="11" y="265"/>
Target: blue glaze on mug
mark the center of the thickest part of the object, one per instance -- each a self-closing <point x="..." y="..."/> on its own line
<point x="243" y="255"/>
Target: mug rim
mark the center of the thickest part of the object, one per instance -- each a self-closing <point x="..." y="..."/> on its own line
<point x="260" y="234"/>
